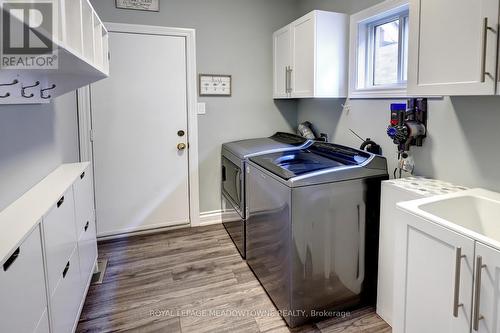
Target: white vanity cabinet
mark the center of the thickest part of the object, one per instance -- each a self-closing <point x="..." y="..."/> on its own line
<point x="437" y="280"/>
<point x="447" y="282"/>
<point x="453" y="47"/>
<point x="310" y="57"/>
<point x="22" y="288"/>
<point x="46" y="274"/>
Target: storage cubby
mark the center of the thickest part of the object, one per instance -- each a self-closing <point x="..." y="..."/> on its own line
<point x="88" y="31"/>
<point x="98" y="56"/>
<point x="72" y="21"/>
<point x="82" y="48"/>
<point x="105" y="51"/>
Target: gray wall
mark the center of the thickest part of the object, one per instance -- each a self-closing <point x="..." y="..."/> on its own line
<point x="463" y="131"/>
<point x="233" y="37"/>
<point x="34" y="140"/>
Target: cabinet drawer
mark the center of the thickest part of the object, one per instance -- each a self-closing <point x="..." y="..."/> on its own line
<point x="43" y="324"/>
<point x="87" y="250"/>
<point x="84" y="203"/>
<point x="60" y="237"/>
<point x="22" y="287"/>
<point x="65" y="301"/>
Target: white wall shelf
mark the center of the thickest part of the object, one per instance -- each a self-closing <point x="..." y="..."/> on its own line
<point x="81" y="47"/>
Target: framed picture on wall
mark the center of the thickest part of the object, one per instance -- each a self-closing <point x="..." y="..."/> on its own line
<point x="147" y="5"/>
<point x="215" y="85"/>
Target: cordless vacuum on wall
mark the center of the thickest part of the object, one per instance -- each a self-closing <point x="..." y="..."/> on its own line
<point x="408" y="128"/>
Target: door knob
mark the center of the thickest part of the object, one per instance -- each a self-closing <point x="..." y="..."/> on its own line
<point x="181" y="146"/>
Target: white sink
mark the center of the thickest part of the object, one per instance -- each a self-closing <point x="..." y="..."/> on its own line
<point x="473" y="212"/>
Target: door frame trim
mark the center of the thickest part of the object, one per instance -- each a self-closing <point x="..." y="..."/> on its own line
<point x="192" y="102"/>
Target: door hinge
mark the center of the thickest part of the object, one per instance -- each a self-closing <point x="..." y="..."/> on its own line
<point x="109" y="55"/>
<point x="92" y="135"/>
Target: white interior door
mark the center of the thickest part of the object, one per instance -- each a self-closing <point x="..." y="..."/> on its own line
<point x="141" y="176"/>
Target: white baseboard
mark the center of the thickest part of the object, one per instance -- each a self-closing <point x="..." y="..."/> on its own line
<point x="212" y="217"/>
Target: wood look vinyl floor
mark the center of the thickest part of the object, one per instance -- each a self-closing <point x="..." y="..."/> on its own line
<point x="191" y="280"/>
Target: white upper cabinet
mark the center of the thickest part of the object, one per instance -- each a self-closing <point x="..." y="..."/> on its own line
<point x="310" y="57"/>
<point x="453" y="47"/>
<point x="76" y="42"/>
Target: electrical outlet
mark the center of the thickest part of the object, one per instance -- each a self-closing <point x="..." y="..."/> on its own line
<point x="324" y="136"/>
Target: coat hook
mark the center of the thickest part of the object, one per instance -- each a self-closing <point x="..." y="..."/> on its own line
<point x="23" y="90"/>
<point x="8" y="84"/>
<point x="42" y="91"/>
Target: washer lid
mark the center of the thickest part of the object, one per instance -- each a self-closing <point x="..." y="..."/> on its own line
<point x="279" y="141"/>
<point x="319" y="156"/>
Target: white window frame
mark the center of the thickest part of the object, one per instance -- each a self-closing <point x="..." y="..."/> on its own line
<point x="361" y="29"/>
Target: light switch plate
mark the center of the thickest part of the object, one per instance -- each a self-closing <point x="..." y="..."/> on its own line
<point x="202" y="108"/>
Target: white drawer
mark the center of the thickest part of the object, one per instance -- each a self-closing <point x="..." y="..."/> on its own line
<point x="65" y="302"/>
<point x="87" y="250"/>
<point x="60" y="237"/>
<point x="22" y="287"/>
<point x="84" y="203"/>
<point x="43" y="324"/>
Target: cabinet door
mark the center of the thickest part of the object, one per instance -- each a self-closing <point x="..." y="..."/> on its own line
<point x="22" y="287"/>
<point x="84" y="201"/>
<point x="60" y="237"/>
<point x="282" y="62"/>
<point x="486" y="314"/>
<point x="66" y="300"/>
<point x="303" y="40"/>
<point x="434" y="295"/>
<point x="453" y="47"/>
<point x="87" y="252"/>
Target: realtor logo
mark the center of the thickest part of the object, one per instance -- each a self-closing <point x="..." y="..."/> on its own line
<point x="27" y="34"/>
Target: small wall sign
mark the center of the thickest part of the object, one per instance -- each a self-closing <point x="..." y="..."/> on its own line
<point x="147" y="5"/>
<point x="215" y="85"/>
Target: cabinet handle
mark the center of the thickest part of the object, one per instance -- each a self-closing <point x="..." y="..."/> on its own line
<point x="11" y="259"/>
<point x="456" y="291"/>
<point x="290" y="71"/>
<point x="486" y="28"/>
<point x="286" y="79"/>
<point x="86" y="226"/>
<point x="477" y="292"/>
<point x="60" y="202"/>
<point x="82" y="175"/>
<point x="223" y="173"/>
<point x="66" y="269"/>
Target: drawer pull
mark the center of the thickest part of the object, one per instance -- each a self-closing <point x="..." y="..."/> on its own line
<point x="456" y="292"/>
<point x="82" y="175"/>
<point x="86" y="226"/>
<point x="11" y="259"/>
<point x="60" y="202"/>
<point x="66" y="269"/>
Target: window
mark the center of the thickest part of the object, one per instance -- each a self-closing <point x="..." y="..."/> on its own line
<point x="379" y="51"/>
